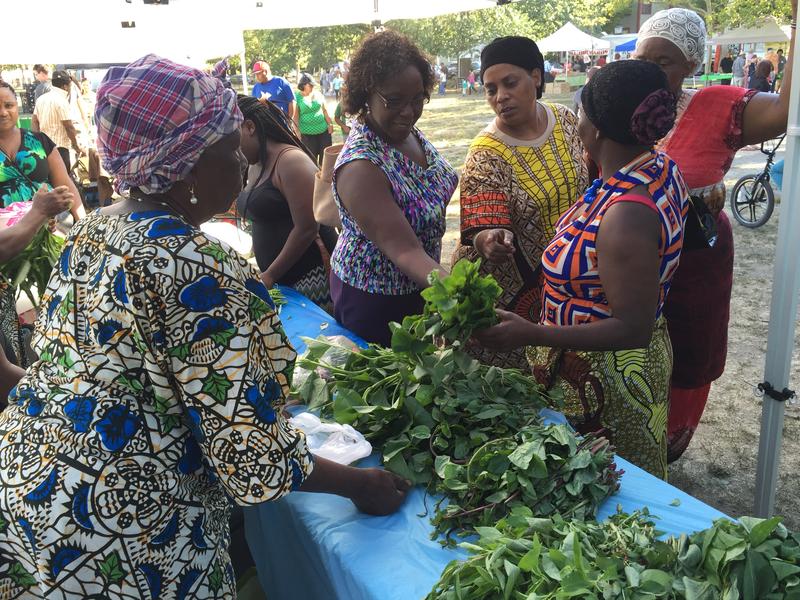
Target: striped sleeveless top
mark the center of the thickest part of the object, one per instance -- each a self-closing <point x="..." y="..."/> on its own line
<point x="573" y="292"/>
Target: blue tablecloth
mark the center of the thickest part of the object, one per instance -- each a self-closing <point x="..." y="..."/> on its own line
<point x="318" y="546"/>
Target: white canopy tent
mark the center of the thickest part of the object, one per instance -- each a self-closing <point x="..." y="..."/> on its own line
<point x="113" y="31"/>
<point x="187" y="31"/>
<point x="571" y="39"/>
<point x="765" y="32"/>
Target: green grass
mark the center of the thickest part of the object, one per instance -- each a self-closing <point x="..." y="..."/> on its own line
<point x="451" y="122"/>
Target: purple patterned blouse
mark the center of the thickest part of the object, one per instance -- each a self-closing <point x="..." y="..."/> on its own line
<point x="422" y="195"/>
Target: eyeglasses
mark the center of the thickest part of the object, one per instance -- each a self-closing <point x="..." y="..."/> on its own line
<point x="394" y="105"/>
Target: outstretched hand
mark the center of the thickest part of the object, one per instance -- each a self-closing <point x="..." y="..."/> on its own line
<point x="380" y="493"/>
<point x="49" y="203"/>
<point x="495" y="245"/>
<point x="512" y="332"/>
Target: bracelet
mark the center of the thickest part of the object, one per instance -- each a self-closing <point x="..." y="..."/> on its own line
<point x="793" y="24"/>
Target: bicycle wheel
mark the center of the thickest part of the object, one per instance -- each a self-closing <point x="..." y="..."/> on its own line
<point x="752" y="201"/>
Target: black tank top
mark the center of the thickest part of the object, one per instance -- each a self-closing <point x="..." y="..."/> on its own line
<point x="266" y="208"/>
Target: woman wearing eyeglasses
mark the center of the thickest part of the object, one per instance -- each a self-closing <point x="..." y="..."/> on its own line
<point x="391" y="187"/>
<point x="522" y="172"/>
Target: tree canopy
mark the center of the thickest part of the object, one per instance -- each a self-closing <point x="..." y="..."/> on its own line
<point x="452" y="35"/>
<point x="447" y="35"/>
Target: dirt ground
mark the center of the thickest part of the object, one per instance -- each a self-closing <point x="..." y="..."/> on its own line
<point x="719" y="466"/>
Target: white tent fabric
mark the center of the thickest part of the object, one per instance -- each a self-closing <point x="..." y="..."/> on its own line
<point x="571" y="39"/>
<point x="91" y="31"/>
<point x="187" y="31"/>
<point x="767" y="31"/>
<point x="273" y="14"/>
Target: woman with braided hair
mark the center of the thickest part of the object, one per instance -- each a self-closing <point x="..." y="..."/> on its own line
<point x="290" y="247"/>
<point x="602" y="340"/>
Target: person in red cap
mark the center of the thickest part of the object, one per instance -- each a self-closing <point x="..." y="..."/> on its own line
<point x="275" y="89"/>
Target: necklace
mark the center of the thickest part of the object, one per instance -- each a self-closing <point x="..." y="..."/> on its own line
<point x="142" y="198"/>
<point x="591" y="192"/>
<point x="164" y="204"/>
<point x="146" y="199"/>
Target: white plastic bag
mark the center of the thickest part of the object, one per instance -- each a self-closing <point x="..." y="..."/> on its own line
<point x="336" y="356"/>
<point x="336" y="442"/>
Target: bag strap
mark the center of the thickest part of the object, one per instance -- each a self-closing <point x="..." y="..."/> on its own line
<point x="700" y="232"/>
<point x="326" y="256"/>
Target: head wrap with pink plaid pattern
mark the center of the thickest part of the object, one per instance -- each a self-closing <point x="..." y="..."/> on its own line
<point x="155" y="118"/>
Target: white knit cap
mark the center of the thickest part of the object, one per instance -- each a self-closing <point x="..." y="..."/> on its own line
<point x="681" y="26"/>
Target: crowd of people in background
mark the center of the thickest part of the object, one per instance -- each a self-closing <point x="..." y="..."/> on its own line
<point x="751" y="72"/>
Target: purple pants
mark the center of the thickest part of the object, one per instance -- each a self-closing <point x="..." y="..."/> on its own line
<point x="368" y="315"/>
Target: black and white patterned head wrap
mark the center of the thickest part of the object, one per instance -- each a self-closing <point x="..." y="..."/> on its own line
<point x="681" y="26"/>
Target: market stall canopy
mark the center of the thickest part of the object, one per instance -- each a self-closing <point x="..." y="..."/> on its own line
<point x="187" y="31"/>
<point x="114" y="31"/>
<point x="276" y="14"/>
<point x="571" y="39"/>
<point x="628" y="46"/>
<point x="765" y="32"/>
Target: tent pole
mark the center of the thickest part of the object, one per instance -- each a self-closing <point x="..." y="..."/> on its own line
<point x="783" y="309"/>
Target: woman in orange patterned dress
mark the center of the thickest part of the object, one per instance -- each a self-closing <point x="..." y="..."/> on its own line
<point x="603" y="341"/>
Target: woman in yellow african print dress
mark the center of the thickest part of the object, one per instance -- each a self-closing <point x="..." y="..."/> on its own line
<point x="522" y="172"/>
<point x="602" y="340"/>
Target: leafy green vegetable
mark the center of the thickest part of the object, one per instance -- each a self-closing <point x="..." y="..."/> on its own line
<point x="31" y="267"/>
<point x="278" y="299"/>
<point x="623" y="557"/>
<point x="542" y="467"/>
<point x="456" y="305"/>
<point x="469" y="431"/>
<point x="420" y="405"/>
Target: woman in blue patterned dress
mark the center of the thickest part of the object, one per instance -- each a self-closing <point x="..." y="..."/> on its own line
<point x="391" y="187"/>
<point x="157" y="396"/>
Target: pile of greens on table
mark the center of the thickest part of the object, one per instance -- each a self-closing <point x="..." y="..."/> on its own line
<point x="467" y="431"/>
<point x="527" y="557"/>
<point x="472" y="434"/>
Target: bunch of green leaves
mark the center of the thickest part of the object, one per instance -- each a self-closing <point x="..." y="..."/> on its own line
<point x="541" y="467"/>
<point x="751" y="558"/>
<point x="455" y="305"/>
<point x="524" y="557"/>
<point x="31" y="267"/>
<point x="418" y="405"/>
<point x="551" y="558"/>
<point x="278" y="299"/>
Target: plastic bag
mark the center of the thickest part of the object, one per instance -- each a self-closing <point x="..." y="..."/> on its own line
<point x="339" y="443"/>
<point x="336" y="356"/>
